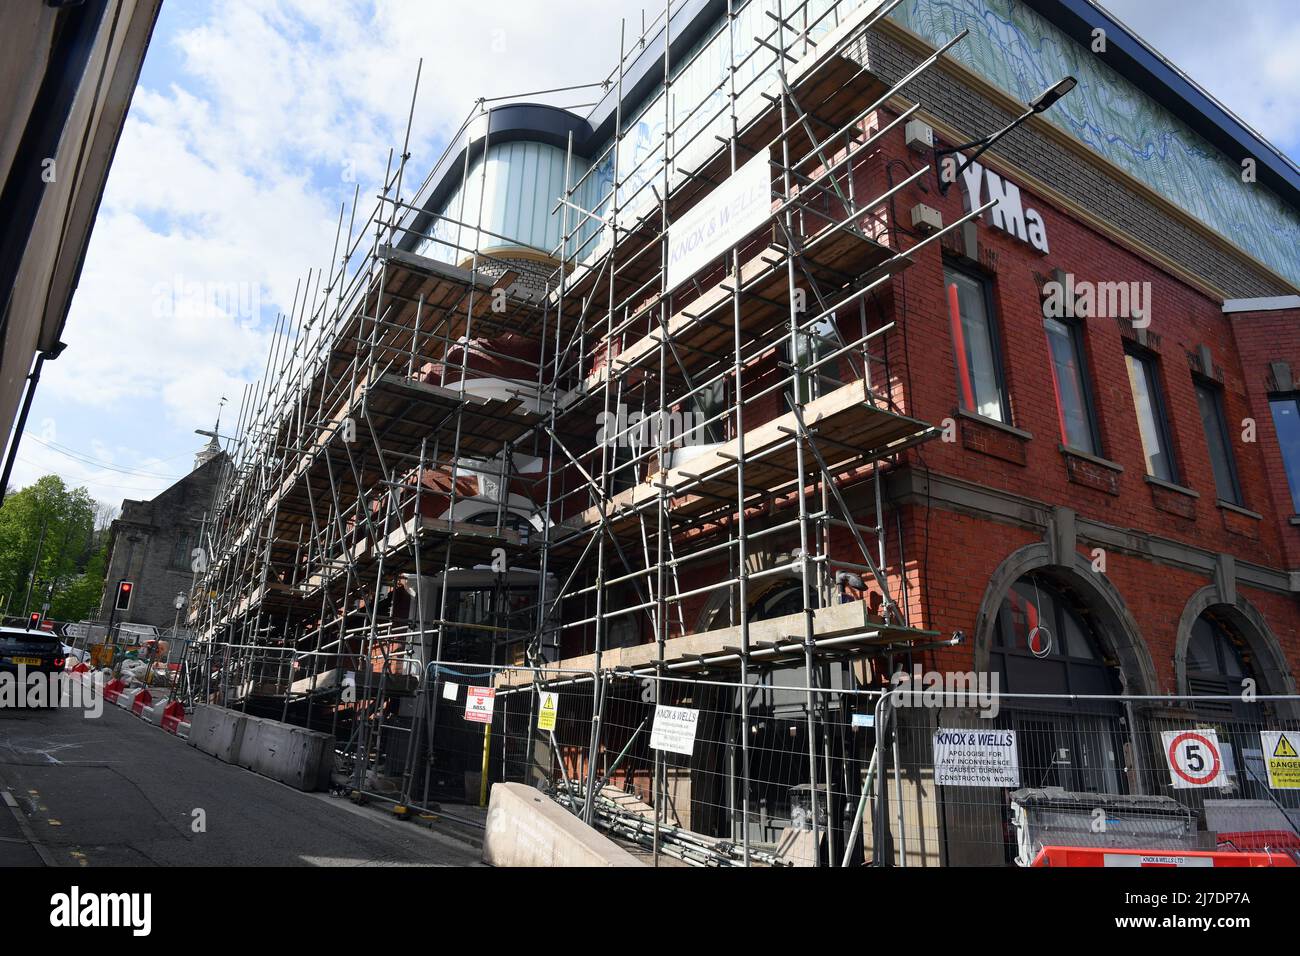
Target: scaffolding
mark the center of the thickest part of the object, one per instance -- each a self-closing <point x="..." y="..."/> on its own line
<point x="656" y="478"/>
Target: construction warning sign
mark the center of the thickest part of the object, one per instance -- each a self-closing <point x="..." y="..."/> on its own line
<point x="976" y="758"/>
<point x="479" y="702"/>
<point x="674" y="729"/>
<point x="1282" y="757"/>
<point x="547" y="710"/>
<point x="1194" y="757"/>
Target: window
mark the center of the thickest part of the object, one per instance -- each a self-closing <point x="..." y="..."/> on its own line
<point x="1045" y="642"/>
<point x="781" y="601"/>
<point x="709" y="403"/>
<point x="1214" y="661"/>
<point x="1218" y="664"/>
<point x="1210" y="400"/>
<point x="1286" y="419"/>
<point x="813" y="345"/>
<point x="1144" y="379"/>
<point x="181" y="547"/>
<point x="979" y="371"/>
<point x="1069" y="377"/>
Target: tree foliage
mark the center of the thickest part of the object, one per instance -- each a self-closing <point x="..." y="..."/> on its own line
<point x="50" y="543"/>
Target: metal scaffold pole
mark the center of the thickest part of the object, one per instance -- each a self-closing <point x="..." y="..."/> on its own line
<point x="478" y="456"/>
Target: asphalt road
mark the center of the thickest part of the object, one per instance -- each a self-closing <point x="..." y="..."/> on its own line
<point x="117" y="791"/>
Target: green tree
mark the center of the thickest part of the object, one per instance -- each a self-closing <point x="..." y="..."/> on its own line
<point x="47" y="546"/>
<point x="80" y="599"/>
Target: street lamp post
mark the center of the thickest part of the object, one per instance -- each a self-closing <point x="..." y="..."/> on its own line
<point x="178" y="602"/>
<point x="1041" y="102"/>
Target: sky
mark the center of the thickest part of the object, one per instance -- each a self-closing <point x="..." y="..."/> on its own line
<point x="255" y="119"/>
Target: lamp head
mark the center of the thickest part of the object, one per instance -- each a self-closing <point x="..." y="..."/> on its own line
<point x="1047" y="98"/>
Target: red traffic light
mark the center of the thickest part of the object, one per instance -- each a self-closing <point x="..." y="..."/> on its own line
<point x="123" y="601"/>
<point x="33" y="620"/>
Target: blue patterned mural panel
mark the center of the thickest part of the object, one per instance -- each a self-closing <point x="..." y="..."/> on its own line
<point x="1020" y="52"/>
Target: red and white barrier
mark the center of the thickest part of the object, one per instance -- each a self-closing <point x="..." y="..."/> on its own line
<point x="173" y="716"/>
<point x="142" y="700"/>
<point x="113" y="690"/>
<point x="169" y="714"/>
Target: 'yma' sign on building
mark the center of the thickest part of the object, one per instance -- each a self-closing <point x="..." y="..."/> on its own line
<point x="981" y="185"/>
<point x="720" y="220"/>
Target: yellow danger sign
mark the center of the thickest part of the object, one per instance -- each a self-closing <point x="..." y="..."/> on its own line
<point x="1281" y="758"/>
<point x="547" y="710"/>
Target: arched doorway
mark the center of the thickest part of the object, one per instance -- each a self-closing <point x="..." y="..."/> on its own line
<point x="1092" y="593"/>
<point x="1047" y="642"/>
<point x="1226" y="651"/>
<point x="783" y="727"/>
<point x="1245" y="627"/>
<point x="1218" y="662"/>
<point x="1059" y="634"/>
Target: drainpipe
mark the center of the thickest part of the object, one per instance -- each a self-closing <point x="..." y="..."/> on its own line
<point x="30" y="392"/>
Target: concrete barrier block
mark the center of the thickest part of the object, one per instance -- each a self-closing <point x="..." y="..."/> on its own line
<point x="526" y="828"/>
<point x="217" y="731"/>
<point x="249" y="744"/>
<point x="293" y="755"/>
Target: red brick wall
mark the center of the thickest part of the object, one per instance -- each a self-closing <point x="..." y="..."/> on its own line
<point x="942" y="562"/>
<point x="1261" y="338"/>
<point x="1182" y="319"/>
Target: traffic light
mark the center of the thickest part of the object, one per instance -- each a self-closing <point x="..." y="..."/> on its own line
<point x="124" y="589"/>
<point x="34" y="620"/>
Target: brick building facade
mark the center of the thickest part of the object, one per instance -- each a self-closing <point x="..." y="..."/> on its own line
<point x="1110" y="484"/>
<point x="1059" y="447"/>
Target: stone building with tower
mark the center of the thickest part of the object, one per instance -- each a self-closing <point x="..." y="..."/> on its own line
<point x="151" y="544"/>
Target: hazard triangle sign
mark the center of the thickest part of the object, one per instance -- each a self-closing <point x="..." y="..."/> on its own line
<point x="1282" y="758"/>
<point x="547" y="710"/>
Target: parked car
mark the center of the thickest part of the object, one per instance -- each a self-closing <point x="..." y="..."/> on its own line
<point x="32" y="650"/>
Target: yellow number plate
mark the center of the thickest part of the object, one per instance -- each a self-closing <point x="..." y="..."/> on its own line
<point x="29" y="661"/>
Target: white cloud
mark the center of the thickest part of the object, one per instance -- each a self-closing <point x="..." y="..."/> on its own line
<point x="231" y="169"/>
<point x="226" y="188"/>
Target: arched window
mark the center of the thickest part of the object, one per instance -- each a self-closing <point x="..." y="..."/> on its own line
<point x="1218" y="664"/>
<point x="1216" y="659"/>
<point x="780" y="601"/>
<point x="1046" y="642"/>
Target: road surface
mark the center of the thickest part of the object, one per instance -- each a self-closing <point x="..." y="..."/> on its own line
<point x="118" y="791"/>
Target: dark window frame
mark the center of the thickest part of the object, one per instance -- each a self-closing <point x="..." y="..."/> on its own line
<point x="1293" y="482"/>
<point x="1156" y="383"/>
<point x="1078" y="340"/>
<point x="1202" y="384"/>
<point x="985" y="282"/>
<point x="183" y="545"/>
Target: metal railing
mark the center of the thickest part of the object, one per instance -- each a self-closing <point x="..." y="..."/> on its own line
<point x="785" y="771"/>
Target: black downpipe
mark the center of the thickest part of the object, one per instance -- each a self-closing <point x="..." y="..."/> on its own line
<point x="28" y="393"/>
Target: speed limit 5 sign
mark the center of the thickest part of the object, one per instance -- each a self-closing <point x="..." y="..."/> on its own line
<point x="1194" y="757"/>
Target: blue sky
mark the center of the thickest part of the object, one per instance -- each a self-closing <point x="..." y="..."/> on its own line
<point x="255" y="119"/>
